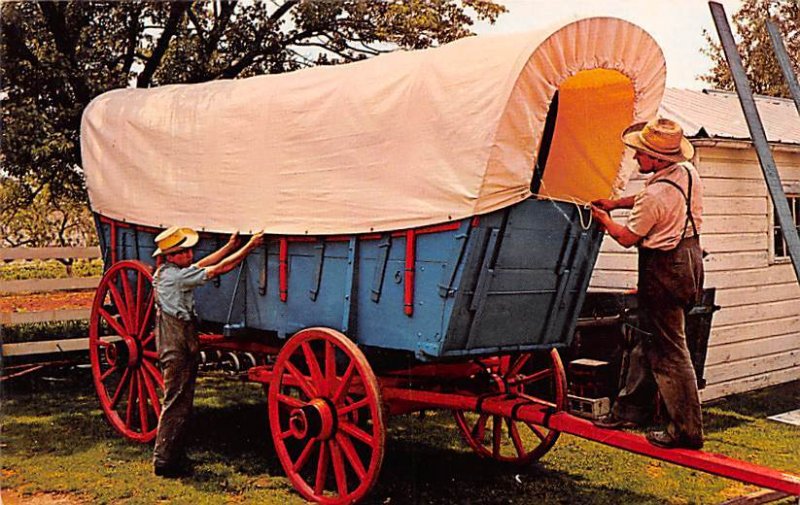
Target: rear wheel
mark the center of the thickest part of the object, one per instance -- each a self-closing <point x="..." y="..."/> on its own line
<point x="537" y="377"/>
<point x="122" y="350"/>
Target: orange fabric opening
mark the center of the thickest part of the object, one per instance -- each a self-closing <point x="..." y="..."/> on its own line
<point x="594" y="107"/>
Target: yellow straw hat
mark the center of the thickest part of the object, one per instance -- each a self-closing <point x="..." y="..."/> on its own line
<point x="660" y="138"/>
<point x="174" y="239"/>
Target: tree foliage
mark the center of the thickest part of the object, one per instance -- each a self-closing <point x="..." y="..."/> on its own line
<point x="57" y="56"/>
<point x="44" y="220"/>
<point x="762" y="67"/>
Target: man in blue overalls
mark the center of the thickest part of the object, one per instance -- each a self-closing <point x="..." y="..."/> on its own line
<point x="178" y="344"/>
<point x="664" y="223"/>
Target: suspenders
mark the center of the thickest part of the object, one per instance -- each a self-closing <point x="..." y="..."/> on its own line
<point x="689" y="217"/>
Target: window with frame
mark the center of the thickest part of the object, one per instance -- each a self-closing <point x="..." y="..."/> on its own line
<point x="780" y="250"/>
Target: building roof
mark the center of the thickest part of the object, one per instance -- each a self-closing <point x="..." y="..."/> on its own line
<point x="718" y="115"/>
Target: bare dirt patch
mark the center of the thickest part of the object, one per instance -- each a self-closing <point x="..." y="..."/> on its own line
<point x="46" y="301"/>
<point x="12" y="497"/>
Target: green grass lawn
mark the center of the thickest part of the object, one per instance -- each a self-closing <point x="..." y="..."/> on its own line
<point x="54" y="438"/>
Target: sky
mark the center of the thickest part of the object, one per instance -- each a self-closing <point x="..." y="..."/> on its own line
<point x="677" y="26"/>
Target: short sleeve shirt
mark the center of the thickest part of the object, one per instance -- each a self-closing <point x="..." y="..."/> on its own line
<point x="175" y="289"/>
<point x="659" y="210"/>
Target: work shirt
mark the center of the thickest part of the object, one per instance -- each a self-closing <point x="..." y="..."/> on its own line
<point x="175" y="289"/>
<point x="659" y="210"/>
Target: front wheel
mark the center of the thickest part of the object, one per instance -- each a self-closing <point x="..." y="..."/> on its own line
<point x="326" y="417"/>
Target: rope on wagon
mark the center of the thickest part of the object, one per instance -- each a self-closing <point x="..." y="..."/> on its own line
<point x="580" y="204"/>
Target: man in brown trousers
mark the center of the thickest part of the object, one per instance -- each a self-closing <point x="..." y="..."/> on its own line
<point x="178" y="344"/>
<point x="664" y="223"/>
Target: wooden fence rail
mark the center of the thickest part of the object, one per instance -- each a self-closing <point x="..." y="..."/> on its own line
<point x="48" y="253"/>
<point x="46" y="286"/>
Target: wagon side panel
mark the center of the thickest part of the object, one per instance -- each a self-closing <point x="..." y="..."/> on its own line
<point x="381" y="318"/>
<point x="525" y="280"/>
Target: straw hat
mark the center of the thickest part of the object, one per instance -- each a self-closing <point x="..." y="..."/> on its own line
<point x="660" y="138"/>
<point x="174" y="239"/>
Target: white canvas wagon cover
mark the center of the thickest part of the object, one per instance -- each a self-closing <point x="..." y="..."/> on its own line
<point x="400" y="140"/>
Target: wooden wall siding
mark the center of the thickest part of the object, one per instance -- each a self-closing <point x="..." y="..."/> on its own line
<point x="755" y="337"/>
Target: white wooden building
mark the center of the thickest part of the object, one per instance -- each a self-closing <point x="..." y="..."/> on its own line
<point x="755" y="337"/>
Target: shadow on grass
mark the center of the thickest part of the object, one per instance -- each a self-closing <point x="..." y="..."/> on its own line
<point x="746" y="408"/>
<point x="421" y="473"/>
<point x="765" y="402"/>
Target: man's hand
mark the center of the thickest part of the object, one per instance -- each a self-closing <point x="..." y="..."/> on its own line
<point x="233" y="241"/>
<point x="256" y="240"/>
<point x="605" y="204"/>
<point x="600" y="215"/>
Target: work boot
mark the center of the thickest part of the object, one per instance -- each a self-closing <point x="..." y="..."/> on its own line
<point x="667" y="441"/>
<point x="174" y="470"/>
<point x="612" y="422"/>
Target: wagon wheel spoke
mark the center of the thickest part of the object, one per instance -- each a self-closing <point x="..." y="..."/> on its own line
<point x="518" y="364"/>
<point x="128" y="294"/>
<point x="122" y="383"/>
<point x="131" y="395"/>
<point x="497" y="435"/>
<point x="140" y="323"/>
<point x="290" y="401"/>
<point x="113" y="322"/>
<point x="355" y="432"/>
<point x="313" y="367"/>
<point x="338" y="468"/>
<point x="148" y="313"/>
<point x="146" y="341"/>
<point x="530" y="379"/>
<point x="480" y="427"/>
<point x="344" y="384"/>
<point x="360" y="404"/>
<point x="330" y="364"/>
<point x="107" y="373"/>
<point x="142" y="403"/>
<point x="152" y="394"/>
<point x="322" y="470"/>
<point x="121" y="308"/>
<point x="352" y="455"/>
<point x="153" y="355"/>
<point x="304" y="455"/>
<point x="302" y="381"/>
<point x="513" y="432"/>
<point x="153" y="371"/>
<point x="537" y="431"/>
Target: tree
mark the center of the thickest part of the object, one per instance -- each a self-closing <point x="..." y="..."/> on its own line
<point x="46" y="220"/>
<point x="762" y="67"/>
<point x="57" y="56"/>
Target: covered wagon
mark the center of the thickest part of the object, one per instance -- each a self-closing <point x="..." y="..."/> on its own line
<point x="429" y="244"/>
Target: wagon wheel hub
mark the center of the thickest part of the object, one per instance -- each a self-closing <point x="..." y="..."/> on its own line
<point x="313" y="420"/>
<point x="130" y="348"/>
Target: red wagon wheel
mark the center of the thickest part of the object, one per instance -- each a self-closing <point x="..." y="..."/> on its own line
<point x="122" y="349"/>
<point x="538" y="377"/>
<point x="326" y="417"/>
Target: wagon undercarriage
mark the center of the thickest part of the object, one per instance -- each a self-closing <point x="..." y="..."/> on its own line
<point x="328" y="408"/>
